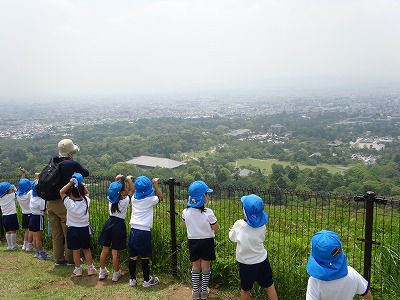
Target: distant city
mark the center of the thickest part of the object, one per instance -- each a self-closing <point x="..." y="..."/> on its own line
<point x="28" y="120"/>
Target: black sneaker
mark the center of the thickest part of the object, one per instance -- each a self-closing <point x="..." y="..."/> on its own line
<point x="60" y="262"/>
<point x="70" y="263"/>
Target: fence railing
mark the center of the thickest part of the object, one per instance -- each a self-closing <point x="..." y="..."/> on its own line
<point x="369" y="227"/>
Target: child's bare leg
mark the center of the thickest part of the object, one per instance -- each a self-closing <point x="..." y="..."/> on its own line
<point x="88" y="256"/>
<point x="115" y="259"/>
<point x="30" y="236"/>
<point x="271" y="292"/>
<point x="103" y="256"/>
<point x="76" y="254"/>
<point x="205" y="264"/>
<point x="244" y="295"/>
<point x="26" y="235"/>
<point x="38" y="240"/>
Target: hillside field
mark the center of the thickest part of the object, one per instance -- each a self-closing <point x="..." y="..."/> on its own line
<point x="266" y="165"/>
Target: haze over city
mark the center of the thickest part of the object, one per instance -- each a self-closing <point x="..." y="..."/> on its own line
<point x="71" y="48"/>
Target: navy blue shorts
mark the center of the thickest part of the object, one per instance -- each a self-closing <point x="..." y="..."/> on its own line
<point x="113" y="234"/>
<point x="78" y="238"/>
<point x="261" y="272"/>
<point x="36" y="223"/>
<point x="202" y="249"/>
<point x="25" y="220"/>
<point x="139" y="243"/>
<point x="10" y="222"/>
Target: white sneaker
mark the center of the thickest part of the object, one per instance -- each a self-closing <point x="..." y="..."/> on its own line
<point x="133" y="282"/>
<point x="15" y="247"/>
<point x="103" y="273"/>
<point x="23" y="247"/>
<point x="204" y="295"/>
<point x="152" y="281"/>
<point x="116" y="276"/>
<point x="29" y="248"/>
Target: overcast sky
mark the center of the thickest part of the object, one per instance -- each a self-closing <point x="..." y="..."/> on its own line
<point x="52" y="48"/>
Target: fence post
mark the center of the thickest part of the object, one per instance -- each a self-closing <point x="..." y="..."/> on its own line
<point x="369" y="220"/>
<point x="369" y="198"/>
<point x="172" y="213"/>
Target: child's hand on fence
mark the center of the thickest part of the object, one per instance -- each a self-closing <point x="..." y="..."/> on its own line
<point x="130" y="177"/>
<point x="22" y="170"/>
<point x="155" y="180"/>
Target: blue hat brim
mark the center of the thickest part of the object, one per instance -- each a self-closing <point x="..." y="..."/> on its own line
<point x="258" y="220"/>
<point x="145" y="194"/>
<point x="195" y="202"/>
<point x="113" y="199"/>
<point x="327" y="270"/>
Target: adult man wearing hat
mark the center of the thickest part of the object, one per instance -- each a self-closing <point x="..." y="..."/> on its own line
<point x="56" y="210"/>
<point x="331" y="277"/>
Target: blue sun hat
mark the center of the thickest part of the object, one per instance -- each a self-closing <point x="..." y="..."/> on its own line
<point x="114" y="191"/>
<point x="197" y="189"/>
<point x="253" y="207"/>
<point x="24" y="186"/>
<point x="4" y="187"/>
<point x="143" y="188"/>
<point x="78" y="178"/>
<point x="327" y="261"/>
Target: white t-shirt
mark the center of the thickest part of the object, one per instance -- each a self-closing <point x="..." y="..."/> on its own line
<point x="77" y="212"/>
<point x="142" y="213"/>
<point x="24" y="202"/>
<point x="7" y="204"/>
<point x="123" y="205"/>
<point x="340" y="289"/>
<point x="198" y="224"/>
<point x="37" y="205"/>
<point x="250" y="242"/>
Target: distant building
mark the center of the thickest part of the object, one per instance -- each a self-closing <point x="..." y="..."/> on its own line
<point x="335" y="143"/>
<point x="150" y="162"/>
<point x="368" y="143"/>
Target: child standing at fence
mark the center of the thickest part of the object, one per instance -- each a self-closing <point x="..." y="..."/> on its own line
<point x="113" y="233"/>
<point x="249" y="235"/>
<point x="37" y="207"/>
<point x="9" y="212"/>
<point x="201" y="224"/>
<point x="24" y="192"/>
<point x="141" y="222"/>
<point x="76" y="200"/>
<point x="331" y="277"/>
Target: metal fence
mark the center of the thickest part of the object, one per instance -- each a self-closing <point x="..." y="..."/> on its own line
<point x="369" y="227"/>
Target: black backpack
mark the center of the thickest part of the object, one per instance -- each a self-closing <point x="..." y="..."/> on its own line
<point x="49" y="183"/>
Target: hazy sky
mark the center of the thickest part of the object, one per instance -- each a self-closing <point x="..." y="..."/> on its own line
<point x="126" y="47"/>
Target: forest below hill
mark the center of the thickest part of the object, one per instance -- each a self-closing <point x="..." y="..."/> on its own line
<point x="291" y="138"/>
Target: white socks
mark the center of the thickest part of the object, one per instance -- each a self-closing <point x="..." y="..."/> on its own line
<point x="8" y="238"/>
<point x="11" y="240"/>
